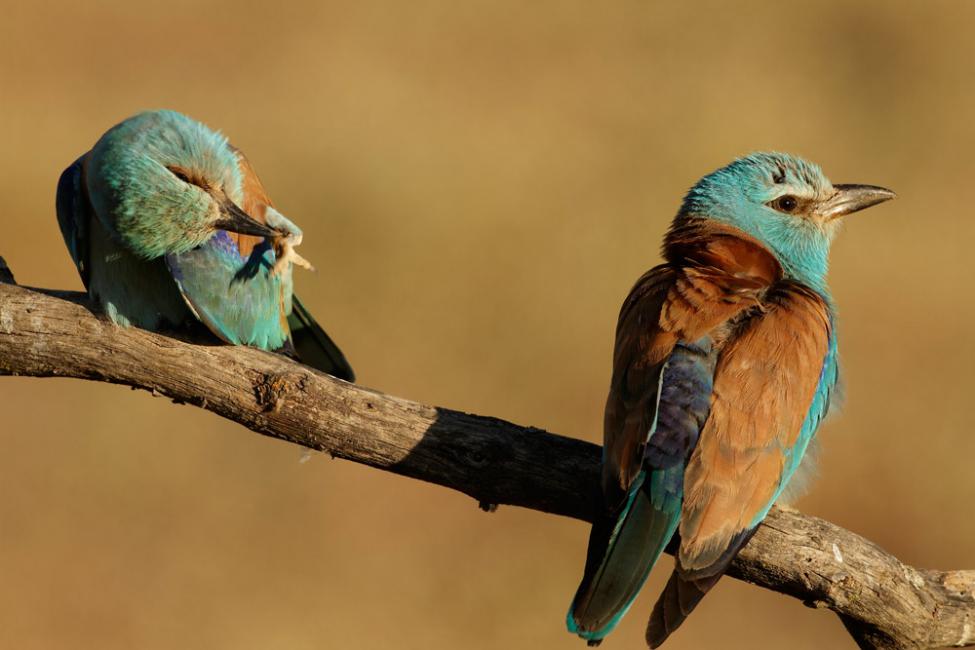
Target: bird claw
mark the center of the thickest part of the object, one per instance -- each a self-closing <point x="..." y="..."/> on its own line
<point x="284" y="245"/>
<point x="298" y="260"/>
<point x="284" y="249"/>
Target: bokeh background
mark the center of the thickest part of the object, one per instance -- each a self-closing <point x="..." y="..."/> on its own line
<point x="480" y="183"/>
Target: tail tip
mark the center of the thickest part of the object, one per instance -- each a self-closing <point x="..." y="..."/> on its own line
<point x="657" y="631"/>
<point x="591" y="638"/>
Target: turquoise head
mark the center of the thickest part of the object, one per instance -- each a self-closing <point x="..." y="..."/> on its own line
<point x="163" y="183"/>
<point x="784" y="202"/>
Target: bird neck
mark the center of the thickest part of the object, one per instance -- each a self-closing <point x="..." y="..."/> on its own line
<point x="706" y="242"/>
<point x="809" y="268"/>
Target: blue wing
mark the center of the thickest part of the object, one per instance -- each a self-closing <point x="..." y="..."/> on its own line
<point x="74" y="212"/>
<point x="625" y="545"/>
<point x="237" y="297"/>
<point x="130" y="290"/>
<point x="313" y="346"/>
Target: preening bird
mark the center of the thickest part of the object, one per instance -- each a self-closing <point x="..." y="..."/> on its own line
<point x="724" y="366"/>
<point x="170" y="227"/>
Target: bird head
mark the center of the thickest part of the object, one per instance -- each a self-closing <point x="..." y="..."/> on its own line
<point x="164" y="183"/>
<point x="785" y="203"/>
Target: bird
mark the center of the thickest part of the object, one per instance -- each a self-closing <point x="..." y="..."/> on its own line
<point x="170" y="229"/>
<point x="724" y="366"/>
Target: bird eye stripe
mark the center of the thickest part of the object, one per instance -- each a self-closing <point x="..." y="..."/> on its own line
<point x="179" y="173"/>
<point x="185" y="176"/>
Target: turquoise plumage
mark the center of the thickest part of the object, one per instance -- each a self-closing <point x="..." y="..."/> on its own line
<point x="239" y="298"/>
<point x="170" y="228"/>
<point x="724" y="366"/>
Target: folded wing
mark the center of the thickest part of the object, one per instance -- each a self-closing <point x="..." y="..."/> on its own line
<point x="230" y="285"/>
<point x="669" y="335"/>
<point x="770" y="385"/>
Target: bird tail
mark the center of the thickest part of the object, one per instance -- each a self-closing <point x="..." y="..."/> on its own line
<point x="685" y="590"/>
<point x="623" y="547"/>
<point x="678" y="600"/>
<point x="313" y="346"/>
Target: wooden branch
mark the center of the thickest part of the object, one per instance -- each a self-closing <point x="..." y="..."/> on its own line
<point x="883" y="602"/>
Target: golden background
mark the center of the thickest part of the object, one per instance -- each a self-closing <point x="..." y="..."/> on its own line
<point x="480" y="184"/>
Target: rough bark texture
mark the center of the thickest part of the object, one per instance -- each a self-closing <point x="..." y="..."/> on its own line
<point x="883" y="602"/>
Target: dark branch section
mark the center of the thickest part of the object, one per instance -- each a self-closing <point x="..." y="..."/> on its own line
<point x="883" y="602"/>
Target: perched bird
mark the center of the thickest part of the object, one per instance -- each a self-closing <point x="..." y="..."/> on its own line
<point x="724" y="366"/>
<point x="170" y="227"/>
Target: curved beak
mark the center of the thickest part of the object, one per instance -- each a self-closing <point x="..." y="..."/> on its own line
<point x="853" y="198"/>
<point x="233" y="219"/>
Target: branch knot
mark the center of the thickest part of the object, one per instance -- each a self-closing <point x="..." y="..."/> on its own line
<point x="272" y="389"/>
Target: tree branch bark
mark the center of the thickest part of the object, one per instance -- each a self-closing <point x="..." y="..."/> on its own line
<point x="883" y="602"/>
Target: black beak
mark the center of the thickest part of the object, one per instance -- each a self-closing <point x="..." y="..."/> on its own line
<point x="233" y="219"/>
<point x="853" y="198"/>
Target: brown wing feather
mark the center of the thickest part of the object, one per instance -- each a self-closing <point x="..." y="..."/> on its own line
<point x="642" y="346"/>
<point x="713" y="275"/>
<point x="255" y="202"/>
<point x="764" y="384"/>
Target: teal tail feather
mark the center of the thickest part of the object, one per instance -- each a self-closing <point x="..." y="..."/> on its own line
<point x="313" y="346"/>
<point x="622" y="550"/>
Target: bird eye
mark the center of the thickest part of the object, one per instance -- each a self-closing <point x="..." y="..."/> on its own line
<point x="179" y="173"/>
<point x="785" y="203"/>
<point x="189" y="178"/>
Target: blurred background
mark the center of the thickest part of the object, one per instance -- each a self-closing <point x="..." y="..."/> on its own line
<point x="480" y="184"/>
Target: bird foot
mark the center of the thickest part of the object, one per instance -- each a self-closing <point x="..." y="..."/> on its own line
<point x="284" y="249"/>
<point x="284" y="246"/>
